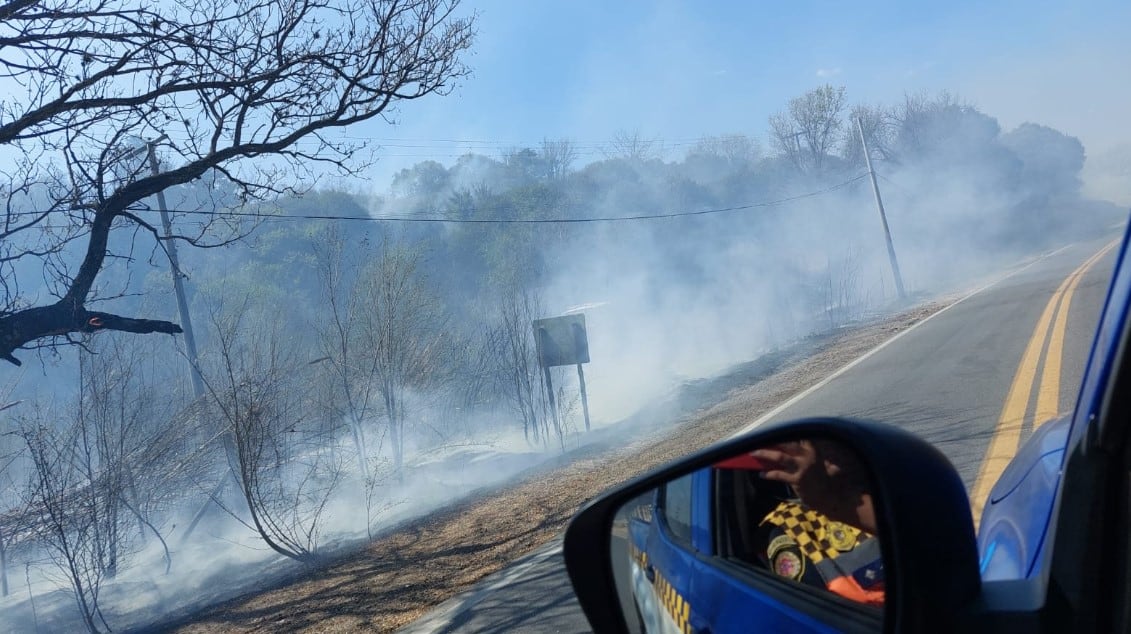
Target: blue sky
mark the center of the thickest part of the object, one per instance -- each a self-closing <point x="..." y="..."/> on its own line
<point x="584" y="70"/>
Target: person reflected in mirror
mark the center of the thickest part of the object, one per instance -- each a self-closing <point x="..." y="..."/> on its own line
<point x="826" y="536"/>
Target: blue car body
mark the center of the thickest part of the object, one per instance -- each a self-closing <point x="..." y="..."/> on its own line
<point x="1017" y="516"/>
<point x="680" y="585"/>
<point x="1017" y="513"/>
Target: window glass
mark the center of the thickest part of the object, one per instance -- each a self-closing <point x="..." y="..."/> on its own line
<point x="677" y="507"/>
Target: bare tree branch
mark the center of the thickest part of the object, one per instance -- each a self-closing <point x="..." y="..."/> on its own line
<point x="807" y="133"/>
<point x="248" y="89"/>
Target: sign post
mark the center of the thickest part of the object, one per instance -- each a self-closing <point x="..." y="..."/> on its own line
<point x="563" y="341"/>
<point x="584" y="398"/>
<point x="553" y="402"/>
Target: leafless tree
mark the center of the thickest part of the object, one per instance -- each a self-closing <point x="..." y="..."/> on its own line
<point x="917" y="120"/>
<point x="377" y="475"/>
<point x="12" y="513"/>
<point x="103" y="475"/>
<point x="381" y="346"/>
<point x="140" y="432"/>
<point x="105" y="472"/>
<point x="108" y="417"/>
<point x="844" y="298"/>
<point x="404" y="332"/>
<point x="285" y="466"/>
<point x="808" y="131"/>
<point x="352" y="392"/>
<point x="736" y="149"/>
<point x="632" y="146"/>
<point x="879" y="124"/>
<point x="245" y="91"/>
<point x="558" y="157"/>
<point x="75" y="521"/>
<point x="511" y="346"/>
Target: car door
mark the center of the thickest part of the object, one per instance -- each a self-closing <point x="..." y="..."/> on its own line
<point x="1083" y="559"/>
<point x="687" y="579"/>
<point x="664" y="565"/>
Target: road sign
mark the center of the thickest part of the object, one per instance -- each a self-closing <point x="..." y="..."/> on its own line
<point x="561" y="340"/>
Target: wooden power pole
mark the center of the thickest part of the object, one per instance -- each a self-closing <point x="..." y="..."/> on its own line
<point x="883" y="216"/>
<point x="178" y="284"/>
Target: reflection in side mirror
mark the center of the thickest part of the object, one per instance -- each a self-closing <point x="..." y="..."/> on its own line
<point x="736" y="545"/>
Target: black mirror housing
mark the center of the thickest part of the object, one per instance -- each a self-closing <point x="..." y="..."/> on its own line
<point x="921" y="504"/>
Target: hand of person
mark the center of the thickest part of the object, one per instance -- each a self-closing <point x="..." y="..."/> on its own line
<point x="797" y="464"/>
<point x="826" y="478"/>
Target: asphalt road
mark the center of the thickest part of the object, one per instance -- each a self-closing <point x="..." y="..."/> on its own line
<point x="949" y="379"/>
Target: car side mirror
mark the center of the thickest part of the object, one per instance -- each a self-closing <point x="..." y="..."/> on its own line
<point x="814" y="524"/>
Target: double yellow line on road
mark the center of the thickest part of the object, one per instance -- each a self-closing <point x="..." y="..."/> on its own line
<point x="1007" y="434"/>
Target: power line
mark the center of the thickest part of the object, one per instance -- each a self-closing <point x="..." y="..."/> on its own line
<point x="497" y="146"/>
<point x="584" y="143"/>
<point x="502" y="221"/>
<point x="502" y="145"/>
<point x="178" y="132"/>
<point x="586" y="146"/>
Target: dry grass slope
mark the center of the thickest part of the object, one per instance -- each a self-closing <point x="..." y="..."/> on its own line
<point x="397" y="578"/>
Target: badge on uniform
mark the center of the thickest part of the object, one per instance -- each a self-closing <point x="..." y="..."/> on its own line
<point x="840" y="537"/>
<point x="788" y="563"/>
<point x="785" y="557"/>
<point x="778" y="543"/>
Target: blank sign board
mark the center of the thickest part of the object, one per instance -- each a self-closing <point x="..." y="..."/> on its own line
<point x="561" y="340"/>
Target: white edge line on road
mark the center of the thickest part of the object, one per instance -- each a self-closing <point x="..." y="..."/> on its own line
<point x="763" y="419"/>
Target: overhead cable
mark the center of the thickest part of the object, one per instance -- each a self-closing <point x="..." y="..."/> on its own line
<point x="499" y="221"/>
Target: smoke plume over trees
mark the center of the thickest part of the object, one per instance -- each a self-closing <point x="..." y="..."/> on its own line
<point x="342" y="355"/>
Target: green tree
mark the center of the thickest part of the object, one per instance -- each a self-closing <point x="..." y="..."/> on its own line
<point x="1051" y="160"/>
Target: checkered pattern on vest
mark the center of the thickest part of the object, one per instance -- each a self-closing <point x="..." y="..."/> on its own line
<point x="813" y="531"/>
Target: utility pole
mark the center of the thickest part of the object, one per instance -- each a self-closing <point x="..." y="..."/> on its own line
<point x="186" y="325"/>
<point x="883" y="216"/>
<point x="178" y="284"/>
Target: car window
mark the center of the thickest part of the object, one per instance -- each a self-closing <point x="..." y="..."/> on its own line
<point x="802" y="532"/>
<point x="741" y="501"/>
<point x="677" y="508"/>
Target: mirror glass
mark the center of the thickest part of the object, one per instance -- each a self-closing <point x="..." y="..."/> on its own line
<point x="740" y="544"/>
